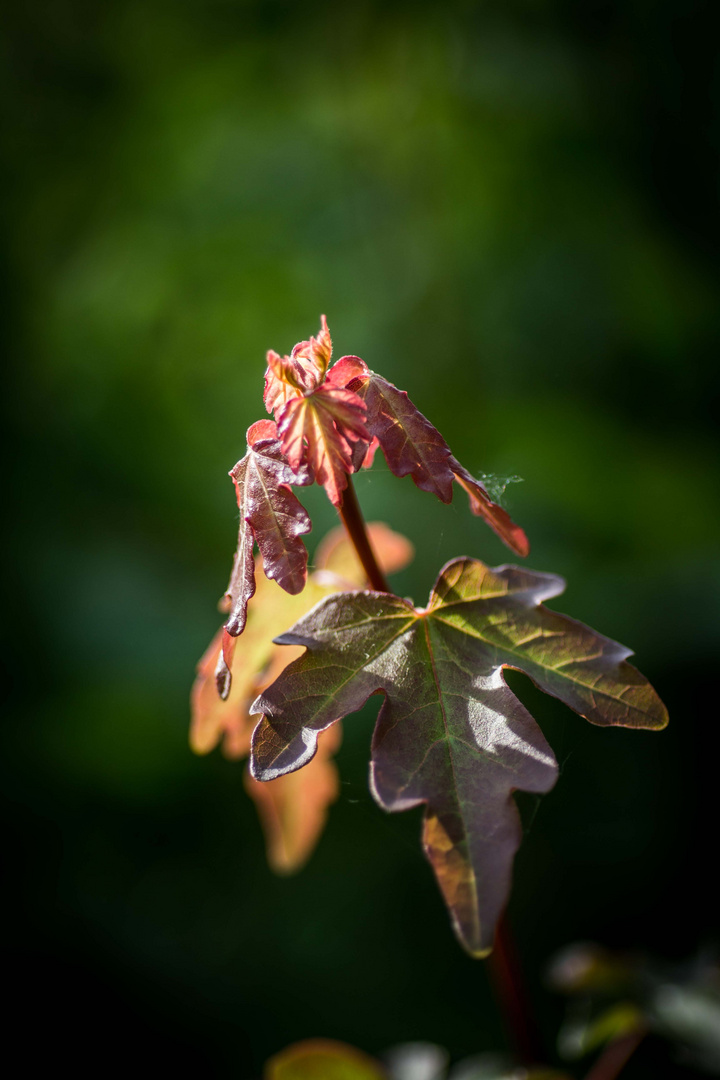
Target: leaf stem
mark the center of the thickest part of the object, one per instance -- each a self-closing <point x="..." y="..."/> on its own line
<point x="504" y="969"/>
<point x="507" y="982"/>
<point x="616" y="1055"/>
<point x="351" y="517"/>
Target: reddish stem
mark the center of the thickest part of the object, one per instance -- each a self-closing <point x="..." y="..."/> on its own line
<point x="351" y="517"/>
<point x="504" y="968"/>
<point x="508" y="984"/>
<point x="615" y="1056"/>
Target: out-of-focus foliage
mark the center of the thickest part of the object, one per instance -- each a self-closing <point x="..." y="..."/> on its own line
<point x="520" y="195"/>
<point x="613" y="994"/>
<point x="318" y="1059"/>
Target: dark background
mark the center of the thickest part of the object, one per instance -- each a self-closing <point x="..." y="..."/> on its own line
<point x="508" y="209"/>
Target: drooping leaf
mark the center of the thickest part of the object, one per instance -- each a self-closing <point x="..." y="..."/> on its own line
<point x="413" y="447"/>
<point x="270" y="514"/>
<point x="451" y="734"/>
<point x="292" y="809"/>
<point x="496" y="517"/>
<point x="323" y="1059"/>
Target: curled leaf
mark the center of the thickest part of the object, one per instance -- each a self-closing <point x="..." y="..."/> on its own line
<point x="292" y="809"/>
<point x="317" y="350"/>
<point x="270" y="514"/>
<point x="450" y="734"/>
<point x="300" y="373"/>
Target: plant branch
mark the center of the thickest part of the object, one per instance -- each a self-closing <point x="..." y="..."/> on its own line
<point x="351" y="517"/>
<point x="508" y="984"/>
<point x="616" y="1055"/>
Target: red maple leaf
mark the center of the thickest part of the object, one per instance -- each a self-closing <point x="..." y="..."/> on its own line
<point x="320" y="422"/>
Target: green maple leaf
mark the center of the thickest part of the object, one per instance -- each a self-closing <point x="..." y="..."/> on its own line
<point x="451" y="733"/>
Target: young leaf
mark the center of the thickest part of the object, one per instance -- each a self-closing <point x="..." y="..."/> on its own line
<point x="292" y="809"/>
<point x="321" y="429"/>
<point x="270" y="514"/>
<point x="451" y="734"/>
<point x="300" y="373"/>
<point x="413" y="447"/>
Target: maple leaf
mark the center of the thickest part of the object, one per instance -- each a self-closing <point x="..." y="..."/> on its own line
<point x="320" y="429"/>
<point x="321" y="424"/>
<point x="269" y="514"/>
<point x="317" y="350"/>
<point x="451" y="734"/>
<point x="292" y="809"/>
<point x="413" y="447"/>
<point x="292" y="376"/>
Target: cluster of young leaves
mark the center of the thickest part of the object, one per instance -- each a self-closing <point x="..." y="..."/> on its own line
<point x="451" y="734"/>
<point x="328" y="423"/>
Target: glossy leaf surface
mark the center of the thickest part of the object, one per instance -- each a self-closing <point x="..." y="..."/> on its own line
<point x="451" y="734"/>
<point x="269" y="514"/>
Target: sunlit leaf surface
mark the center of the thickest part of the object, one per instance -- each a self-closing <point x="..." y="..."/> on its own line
<point x="451" y="734"/>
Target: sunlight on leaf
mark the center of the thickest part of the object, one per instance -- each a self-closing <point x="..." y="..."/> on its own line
<point x="451" y="734"/>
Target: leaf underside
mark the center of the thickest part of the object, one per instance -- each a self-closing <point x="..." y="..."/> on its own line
<point x="450" y="733"/>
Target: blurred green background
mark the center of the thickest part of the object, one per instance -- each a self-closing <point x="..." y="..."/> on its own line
<point x="508" y="209"/>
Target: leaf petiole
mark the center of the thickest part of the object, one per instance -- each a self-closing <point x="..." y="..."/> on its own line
<point x="351" y="517"/>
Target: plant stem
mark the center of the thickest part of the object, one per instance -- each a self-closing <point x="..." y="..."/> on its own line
<point x="351" y="517"/>
<point x="508" y="984"/>
<point x="504" y="968"/>
<point x="615" y="1056"/>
